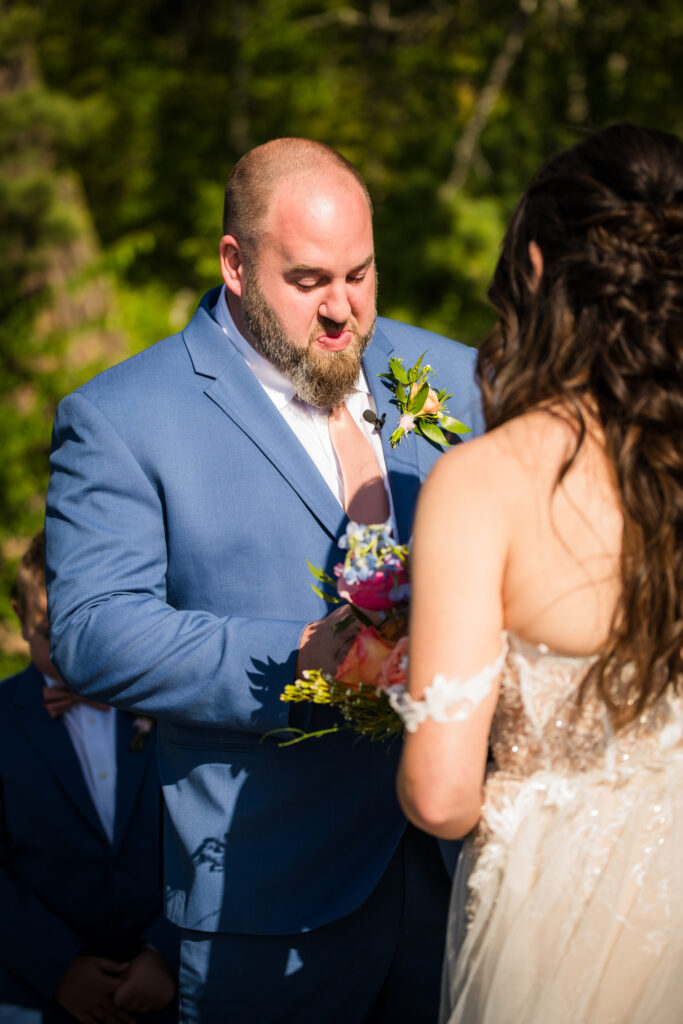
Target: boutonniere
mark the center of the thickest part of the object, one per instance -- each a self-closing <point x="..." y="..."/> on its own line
<point x="143" y="726"/>
<point x="421" y="407"/>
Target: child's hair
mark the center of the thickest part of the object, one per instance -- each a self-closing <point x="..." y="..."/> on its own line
<point x="31" y="570"/>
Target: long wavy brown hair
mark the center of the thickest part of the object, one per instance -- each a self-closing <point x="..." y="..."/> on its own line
<point x="603" y="330"/>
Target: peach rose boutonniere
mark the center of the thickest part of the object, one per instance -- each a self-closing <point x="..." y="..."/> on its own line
<point x="422" y="408"/>
<point x="374" y="577"/>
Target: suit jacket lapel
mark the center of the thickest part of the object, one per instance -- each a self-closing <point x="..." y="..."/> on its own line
<point x="235" y="389"/>
<point x="131" y="767"/>
<point x="52" y="743"/>
<point x="403" y="463"/>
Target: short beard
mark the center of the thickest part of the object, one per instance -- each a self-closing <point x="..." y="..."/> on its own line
<point x="323" y="379"/>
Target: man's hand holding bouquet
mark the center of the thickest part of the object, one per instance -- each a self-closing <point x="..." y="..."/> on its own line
<point x="371" y="587"/>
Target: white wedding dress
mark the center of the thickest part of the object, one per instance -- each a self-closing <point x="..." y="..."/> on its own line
<point x="568" y="902"/>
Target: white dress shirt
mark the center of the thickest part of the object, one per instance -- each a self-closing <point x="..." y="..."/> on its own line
<point x="93" y="734"/>
<point x="309" y="423"/>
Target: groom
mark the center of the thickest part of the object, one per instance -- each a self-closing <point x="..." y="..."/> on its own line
<point x="189" y="487"/>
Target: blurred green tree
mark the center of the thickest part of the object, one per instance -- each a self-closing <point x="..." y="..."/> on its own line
<point x="120" y="121"/>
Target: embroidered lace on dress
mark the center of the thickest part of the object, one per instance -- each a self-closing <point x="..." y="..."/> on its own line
<point x="446" y="700"/>
<point x="568" y="903"/>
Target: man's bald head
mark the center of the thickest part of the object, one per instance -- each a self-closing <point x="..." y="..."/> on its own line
<point x="257" y="175"/>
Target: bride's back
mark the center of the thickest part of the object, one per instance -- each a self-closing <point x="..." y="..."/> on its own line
<point x="572" y="511"/>
<point x="589" y="291"/>
<point x="562" y="575"/>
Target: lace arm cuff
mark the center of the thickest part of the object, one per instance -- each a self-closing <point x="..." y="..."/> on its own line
<point x="446" y="700"/>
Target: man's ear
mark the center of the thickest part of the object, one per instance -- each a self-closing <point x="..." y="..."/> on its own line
<point x="20" y="613"/>
<point x="536" y="257"/>
<point x="232" y="264"/>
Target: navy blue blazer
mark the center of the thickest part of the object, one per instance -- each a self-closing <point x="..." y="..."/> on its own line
<point x="181" y="512"/>
<point x="64" y="888"/>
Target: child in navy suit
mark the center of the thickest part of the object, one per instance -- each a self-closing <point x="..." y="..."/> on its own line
<point x="82" y="933"/>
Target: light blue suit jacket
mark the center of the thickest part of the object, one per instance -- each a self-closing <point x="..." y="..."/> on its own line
<point x="181" y="512"/>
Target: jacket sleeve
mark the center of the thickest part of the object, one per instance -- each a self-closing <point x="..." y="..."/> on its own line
<point x="114" y="636"/>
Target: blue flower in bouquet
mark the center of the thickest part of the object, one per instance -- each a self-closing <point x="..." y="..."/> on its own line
<point x="374" y="573"/>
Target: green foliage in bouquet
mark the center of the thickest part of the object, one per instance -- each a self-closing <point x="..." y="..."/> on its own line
<point x="366" y="709"/>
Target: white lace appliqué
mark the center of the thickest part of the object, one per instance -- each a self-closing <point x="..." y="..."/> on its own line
<point x="446" y="700"/>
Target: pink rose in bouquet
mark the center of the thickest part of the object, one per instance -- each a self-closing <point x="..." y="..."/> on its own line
<point x="364" y="661"/>
<point x="378" y="593"/>
<point x="394" y="670"/>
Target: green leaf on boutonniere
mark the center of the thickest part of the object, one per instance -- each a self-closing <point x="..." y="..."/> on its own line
<point x="396" y="367"/>
<point x="431" y="431"/>
<point x="420" y="398"/>
<point x="452" y="425"/>
<point x="396" y="436"/>
<point x="416" y="371"/>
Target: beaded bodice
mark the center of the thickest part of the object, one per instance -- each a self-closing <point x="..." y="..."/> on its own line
<point x="569" y="893"/>
<point x="538" y="727"/>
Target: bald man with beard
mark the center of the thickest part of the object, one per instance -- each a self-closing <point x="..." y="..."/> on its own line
<point x="189" y="487"/>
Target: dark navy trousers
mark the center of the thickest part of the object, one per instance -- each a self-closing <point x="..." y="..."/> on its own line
<point x="379" y="964"/>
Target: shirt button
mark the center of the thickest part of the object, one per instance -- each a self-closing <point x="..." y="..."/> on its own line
<point x="103" y="775"/>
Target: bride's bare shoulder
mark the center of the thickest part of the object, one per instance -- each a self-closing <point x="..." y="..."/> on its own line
<point x="537" y="442"/>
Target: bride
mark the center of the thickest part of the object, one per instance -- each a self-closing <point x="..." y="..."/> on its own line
<point x="547" y="618"/>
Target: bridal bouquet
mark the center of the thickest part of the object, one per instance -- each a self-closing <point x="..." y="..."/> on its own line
<point x="372" y="578"/>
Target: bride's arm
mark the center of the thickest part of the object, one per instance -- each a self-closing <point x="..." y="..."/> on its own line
<point x="459" y="554"/>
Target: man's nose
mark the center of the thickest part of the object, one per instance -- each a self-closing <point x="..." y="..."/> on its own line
<point x="335" y="304"/>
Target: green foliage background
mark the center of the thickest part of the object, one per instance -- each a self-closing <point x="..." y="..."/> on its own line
<point x="120" y="121"/>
